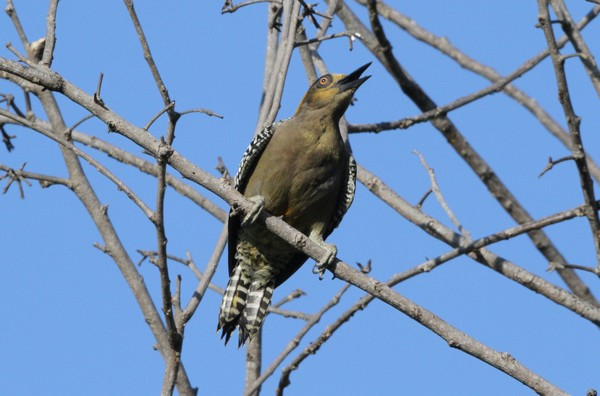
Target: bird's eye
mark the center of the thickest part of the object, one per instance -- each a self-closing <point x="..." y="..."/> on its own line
<point x="323" y="81"/>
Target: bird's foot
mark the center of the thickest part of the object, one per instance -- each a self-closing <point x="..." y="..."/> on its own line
<point x="322" y="265"/>
<point x="252" y="215"/>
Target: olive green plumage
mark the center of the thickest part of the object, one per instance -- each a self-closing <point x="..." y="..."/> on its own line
<point x="299" y="169"/>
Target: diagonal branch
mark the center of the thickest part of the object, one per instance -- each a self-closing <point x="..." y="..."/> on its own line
<point x="443" y="45"/>
<point x="455" y="337"/>
<point x="458" y="142"/>
<point x="482" y="256"/>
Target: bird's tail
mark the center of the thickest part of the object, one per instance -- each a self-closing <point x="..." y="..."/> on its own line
<point x="244" y="305"/>
<point x="234" y="301"/>
<point x="259" y="298"/>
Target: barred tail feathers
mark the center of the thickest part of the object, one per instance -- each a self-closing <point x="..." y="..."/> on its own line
<point x="257" y="303"/>
<point x="234" y="301"/>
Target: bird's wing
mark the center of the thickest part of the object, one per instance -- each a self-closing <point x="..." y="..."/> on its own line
<point x="346" y="196"/>
<point x="251" y="156"/>
<point x="249" y="160"/>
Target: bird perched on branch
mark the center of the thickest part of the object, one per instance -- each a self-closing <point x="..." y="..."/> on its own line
<point x="301" y="170"/>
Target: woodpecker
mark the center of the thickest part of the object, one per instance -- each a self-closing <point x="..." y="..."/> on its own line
<point x="301" y="170"/>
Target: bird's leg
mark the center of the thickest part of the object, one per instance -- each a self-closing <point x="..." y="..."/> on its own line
<point x="252" y="215"/>
<point x="331" y="249"/>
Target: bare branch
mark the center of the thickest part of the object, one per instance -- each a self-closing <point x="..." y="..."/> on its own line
<point x="12" y="13"/>
<point x="445" y="47"/>
<point x="203" y="111"/>
<point x="351" y="36"/>
<point x="222" y="169"/>
<point x="552" y="162"/>
<point x="207" y="276"/>
<point x="555" y="266"/>
<point x="174" y="332"/>
<point x="168" y="107"/>
<point x="440" y="198"/>
<point x="573" y="121"/>
<point x="151" y="169"/>
<point x="290" y="297"/>
<point x="97" y="97"/>
<point x="7" y="139"/>
<point x="236" y="200"/>
<point x="229" y="7"/>
<point x="164" y="93"/>
<point x="458" y="142"/>
<point x="575" y="37"/>
<point x="419" y="204"/>
<point x="19" y="176"/>
<point x="296" y="340"/>
<point x="482" y="256"/>
<point x="276" y="76"/>
<point x="50" y="39"/>
<point x="427" y="266"/>
<point x="101" y="168"/>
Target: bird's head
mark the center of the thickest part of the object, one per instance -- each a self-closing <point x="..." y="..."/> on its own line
<point x="333" y="92"/>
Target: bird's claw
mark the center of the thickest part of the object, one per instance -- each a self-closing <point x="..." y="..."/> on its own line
<point x="329" y="258"/>
<point x="252" y="215"/>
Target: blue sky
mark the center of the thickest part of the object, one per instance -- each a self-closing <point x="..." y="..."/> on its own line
<point x="70" y="324"/>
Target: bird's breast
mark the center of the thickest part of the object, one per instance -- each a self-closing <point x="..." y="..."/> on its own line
<point x="300" y="174"/>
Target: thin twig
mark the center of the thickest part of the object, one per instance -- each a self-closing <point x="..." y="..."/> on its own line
<point x="222" y="169"/>
<point x="69" y="132"/>
<point x="555" y="266"/>
<point x="7" y="139"/>
<point x="168" y="107"/>
<point x="209" y="271"/>
<point x="229" y="7"/>
<point x="97" y="96"/>
<point x="203" y="111"/>
<point x="19" y="56"/>
<point x="350" y="35"/>
<point x="440" y="198"/>
<point x="290" y="297"/>
<point x="22" y="175"/>
<point x="552" y="162"/>
<point x="419" y="204"/>
<point x="12" y="13"/>
<point x="162" y="88"/>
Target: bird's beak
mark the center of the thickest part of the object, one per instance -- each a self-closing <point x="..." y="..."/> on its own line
<point x="352" y="80"/>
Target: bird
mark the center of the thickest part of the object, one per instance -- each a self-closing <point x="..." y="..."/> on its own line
<point x="301" y="170"/>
